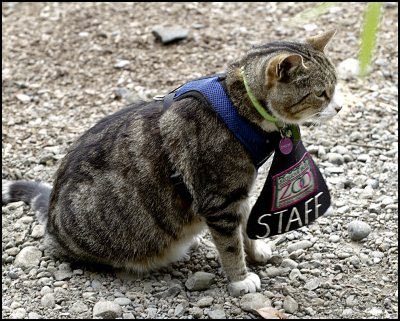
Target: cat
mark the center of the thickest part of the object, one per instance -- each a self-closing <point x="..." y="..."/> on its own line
<point x="113" y="201"/>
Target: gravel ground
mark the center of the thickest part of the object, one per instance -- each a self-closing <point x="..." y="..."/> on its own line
<point x="66" y="65"/>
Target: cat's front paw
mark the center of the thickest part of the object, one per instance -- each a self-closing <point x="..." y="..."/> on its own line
<point x="250" y="284"/>
<point x="259" y="252"/>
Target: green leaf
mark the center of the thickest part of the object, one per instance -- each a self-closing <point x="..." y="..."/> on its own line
<point x="368" y="35"/>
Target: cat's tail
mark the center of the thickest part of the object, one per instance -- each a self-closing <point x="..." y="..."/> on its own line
<point x="37" y="195"/>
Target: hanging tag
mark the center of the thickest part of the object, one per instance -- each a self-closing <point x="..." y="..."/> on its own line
<point x="294" y="194"/>
<point x="285" y="145"/>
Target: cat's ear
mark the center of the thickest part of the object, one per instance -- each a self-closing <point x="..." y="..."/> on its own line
<point x="319" y="42"/>
<point x="284" y="63"/>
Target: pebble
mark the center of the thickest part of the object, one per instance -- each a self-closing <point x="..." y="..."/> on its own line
<point x="348" y="68"/>
<point x="24" y="98"/>
<point x="217" y="314"/>
<point x="294" y="274"/>
<point x="290" y="305"/>
<point x="376" y="312"/>
<point x="335" y="158"/>
<point x="168" y="35"/>
<point x="28" y="257"/>
<point x="79" y="307"/>
<point x="347" y="313"/>
<point x="205" y="301"/>
<point x="151" y="313"/>
<point x="253" y="301"/>
<point x="363" y="158"/>
<point x="387" y="200"/>
<point x="196" y="312"/>
<point x="121" y="63"/>
<point x="107" y="310"/>
<point x="19" y="313"/>
<point x="312" y="284"/>
<point x="122" y="301"/>
<point x="34" y="315"/>
<point x="48" y="300"/>
<point x="126" y="94"/>
<point x="38" y="231"/>
<point x="199" y="281"/>
<point x="351" y="301"/>
<point x="299" y="245"/>
<point x="358" y="230"/>
<point x="334" y="238"/>
<point x="289" y="263"/>
<point x="179" y="310"/>
<point x="62" y="275"/>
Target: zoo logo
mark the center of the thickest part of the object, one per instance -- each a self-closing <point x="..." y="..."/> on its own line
<point x="294" y="184"/>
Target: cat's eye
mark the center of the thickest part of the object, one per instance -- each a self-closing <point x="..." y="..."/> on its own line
<point x="320" y="93"/>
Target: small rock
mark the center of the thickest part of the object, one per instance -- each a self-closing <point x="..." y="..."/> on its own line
<point x="205" y="302"/>
<point x="253" y="301"/>
<point x="19" y="313"/>
<point x="334" y="170"/>
<point x="375" y="312"/>
<point x="348" y="68"/>
<point x="46" y="289"/>
<point x="199" y="281"/>
<point x="196" y="312"/>
<point x="122" y="301"/>
<point x="373" y="183"/>
<point x="299" y="245"/>
<point x="334" y="238"/>
<point x="126" y="94"/>
<point x="179" y="310"/>
<point x="48" y="300"/>
<point x="289" y="263"/>
<point x="169" y="34"/>
<point x="335" y="158"/>
<point x="312" y="284"/>
<point x="23" y="98"/>
<point x="217" y="314"/>
<point x="387" y="200"/>
<point x="79" y="307"/>
<point x="107" y="310"/>
<point x="28" y="257"/>
<point x="351" y="301"/>
<point x="62" y="275"/>
<point x="363" y="158"/>
<point x="151" y="313"/>
<point x="290" y="305"/>
<point x="34" y="315"/>
<point x="294" y="274"/>
<point x="273" y="271"/>
<point x="38" y="231"/>
<point x="358" y="230"/>
<point x="347" y="313"/>
<point x="275" y="260"/>
<point x="129" y="315"/>
<point x="121" y="63"/>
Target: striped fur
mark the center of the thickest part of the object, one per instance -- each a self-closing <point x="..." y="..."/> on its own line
<point x="113" y="201"/>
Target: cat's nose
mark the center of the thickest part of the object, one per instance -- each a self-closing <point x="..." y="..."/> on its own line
<point x="338" y="108"/>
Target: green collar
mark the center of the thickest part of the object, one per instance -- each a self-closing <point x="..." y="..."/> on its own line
<point x="256" y="103"/>
<point x="286" y="130"/>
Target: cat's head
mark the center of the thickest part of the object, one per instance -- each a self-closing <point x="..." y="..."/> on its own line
<point x="298" y="81"/>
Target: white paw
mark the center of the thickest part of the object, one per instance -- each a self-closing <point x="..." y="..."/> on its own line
<point x="250" y="284"/>
<point x="261" y="252"/>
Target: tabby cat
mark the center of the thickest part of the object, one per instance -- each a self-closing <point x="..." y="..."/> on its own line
<point x="113" y="201"/>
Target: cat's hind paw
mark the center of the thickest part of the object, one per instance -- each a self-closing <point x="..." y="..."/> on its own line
<point x="250" y="284"/>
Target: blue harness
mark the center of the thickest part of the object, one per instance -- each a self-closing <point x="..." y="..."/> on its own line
<point x="258" y="143"/>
